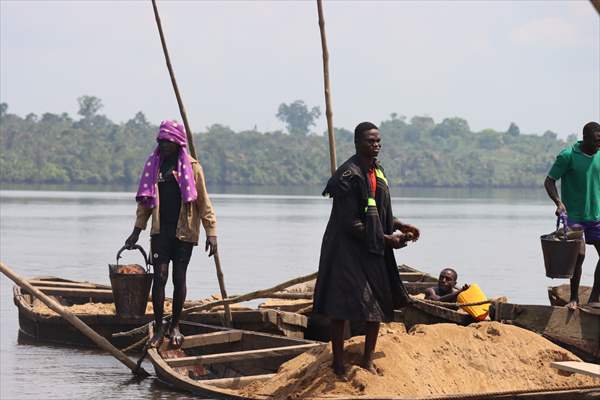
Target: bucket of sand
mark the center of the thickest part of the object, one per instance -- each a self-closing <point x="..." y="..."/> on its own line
<point x="131" y="285"/>
<point x="560" y="250"/>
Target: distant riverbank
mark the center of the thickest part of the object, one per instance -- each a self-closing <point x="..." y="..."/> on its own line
<point x="505" y="194"/>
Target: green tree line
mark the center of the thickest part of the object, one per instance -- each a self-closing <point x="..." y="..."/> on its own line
<point x="92" y="149"/>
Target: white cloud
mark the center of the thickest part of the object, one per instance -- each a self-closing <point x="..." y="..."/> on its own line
<point x="547" y="31"/>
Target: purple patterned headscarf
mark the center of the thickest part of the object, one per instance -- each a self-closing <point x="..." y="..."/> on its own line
<point x="147" y="191"/>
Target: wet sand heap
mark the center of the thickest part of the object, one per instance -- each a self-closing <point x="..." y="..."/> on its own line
<point x="439" y="359"/>
<point x="93" y="308"/>
<point x="109" y="308"/>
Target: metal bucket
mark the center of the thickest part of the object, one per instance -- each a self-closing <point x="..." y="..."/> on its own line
<point x="560" y="256"/>
<point x="130" y="291"/>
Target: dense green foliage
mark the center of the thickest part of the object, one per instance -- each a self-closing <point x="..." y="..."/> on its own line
<point x="94" y="150"/>
<point x="298" y="120"/>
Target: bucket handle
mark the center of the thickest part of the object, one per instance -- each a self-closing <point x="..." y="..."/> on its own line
<point x="135" y="247"/>
<point x="562" y="217"/>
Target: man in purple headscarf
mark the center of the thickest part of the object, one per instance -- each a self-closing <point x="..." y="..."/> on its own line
<point x="172" y="190"/>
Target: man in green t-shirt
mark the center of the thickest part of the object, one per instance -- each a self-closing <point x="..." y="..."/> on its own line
<point x="578" y="168"/>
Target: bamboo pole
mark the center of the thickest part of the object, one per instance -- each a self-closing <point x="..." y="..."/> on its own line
<point x="328" y="110"/>
<point x="221" y="279"/>
<point x="596" y="4"/>
<point x="191" y="146"/>
<point x="252" y="295"/>
<point x="188" y="131"/>
<point x="73" y="320"/>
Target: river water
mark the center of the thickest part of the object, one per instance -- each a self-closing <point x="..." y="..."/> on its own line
<point x="490" y="237"/>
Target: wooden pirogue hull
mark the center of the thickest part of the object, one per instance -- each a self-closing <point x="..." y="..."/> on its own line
<point x="421" y="312"/>
<point x="559" y="295"/>
<point x="577" y="331"/>
<point x="414" y="281"/>
<point x="35" y="326"/>
<point x="215" y="361"/>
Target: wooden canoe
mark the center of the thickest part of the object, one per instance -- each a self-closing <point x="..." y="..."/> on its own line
<point x="215" y="361"/>
<point x="421" y="312"/>
<point x="414" y="281"/>
<point x="559" y="295"/>
<point x="39" y="325"/>
<point x="577" y="331"/>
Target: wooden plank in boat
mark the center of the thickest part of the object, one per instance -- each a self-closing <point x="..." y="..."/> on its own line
<point x="589" y="309"/>
<point x="242" y="355"/>
<point x="418" y="287"/>
<point x="205" y="339"/>
<point x="560" y="295"/>
<point x="81" y="285"/>
<point x="578" y="367"/>
<point x="237" y="382"/>
<point x="413" y="276"/>
<point x="100" y="294"/>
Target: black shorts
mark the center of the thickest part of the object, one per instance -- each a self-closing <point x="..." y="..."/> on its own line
<point x="166" y="247"/>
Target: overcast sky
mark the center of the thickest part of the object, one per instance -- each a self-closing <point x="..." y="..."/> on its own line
<point x="536" y="63"/>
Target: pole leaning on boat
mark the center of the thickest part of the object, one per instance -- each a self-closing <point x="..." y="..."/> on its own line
<point x="191" y="147"/>
<point x="73" y="320"/>
<point x="328" y="109"/>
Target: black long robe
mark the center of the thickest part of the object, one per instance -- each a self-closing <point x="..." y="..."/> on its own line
<point x="358" y="277"/>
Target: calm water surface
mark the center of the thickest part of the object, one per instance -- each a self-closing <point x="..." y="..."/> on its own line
<point x="491" y="237"/>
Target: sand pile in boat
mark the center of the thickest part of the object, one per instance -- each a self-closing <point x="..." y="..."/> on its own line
<point x="286" y="305"/>
<point x="93" y="308"/>
<point x="429" y="360"/>
<point x="109" y="308"/>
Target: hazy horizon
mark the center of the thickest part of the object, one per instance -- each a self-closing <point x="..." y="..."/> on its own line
<point x="535" y="63"/>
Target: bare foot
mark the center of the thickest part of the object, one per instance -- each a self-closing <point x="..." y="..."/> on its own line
<point x="158" y="336"/>
<point x="176" y="337"/>
<point x="368" y="365"/>
<point x="572" y="305"/>
<point x="340" y="372"/>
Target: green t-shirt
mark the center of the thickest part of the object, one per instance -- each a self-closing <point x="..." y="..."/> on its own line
<point x="580" y="183"/>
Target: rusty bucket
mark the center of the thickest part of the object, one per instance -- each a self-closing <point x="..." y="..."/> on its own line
<point x="560" y="250"/>
<point x="130" y="285"/>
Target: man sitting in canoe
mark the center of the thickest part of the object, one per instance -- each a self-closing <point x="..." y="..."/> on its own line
<point x="358" y="277"/>
<point x="446" y="289"/>
<point x="173" y="191"/>
<point x="578" y="168"/>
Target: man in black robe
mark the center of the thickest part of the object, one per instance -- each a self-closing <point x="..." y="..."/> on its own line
<point x="358" y="277"/>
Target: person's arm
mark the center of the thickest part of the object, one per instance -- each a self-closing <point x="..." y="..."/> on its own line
<point x="206" y="211"/>
<point x="550" y="185"/>
<point x="407" y="228"/>
<point x="430" y="294"/>
<point x="557" y="171"/>
<point x="450" y="297"/>
<point x="351" y="215"/>
<point x="142" y="215"/>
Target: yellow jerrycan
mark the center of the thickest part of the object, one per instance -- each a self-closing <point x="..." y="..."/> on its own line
<point x="472" y="295"/>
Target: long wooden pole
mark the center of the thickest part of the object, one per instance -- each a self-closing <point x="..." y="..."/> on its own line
<point x="188" y="131"/>
<point x="73" y="320"/>
<point x="252" y="295"/>
<point x="328" y="110"/>
<point x="221" y="279"/>
<point x="191" y="147"/>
